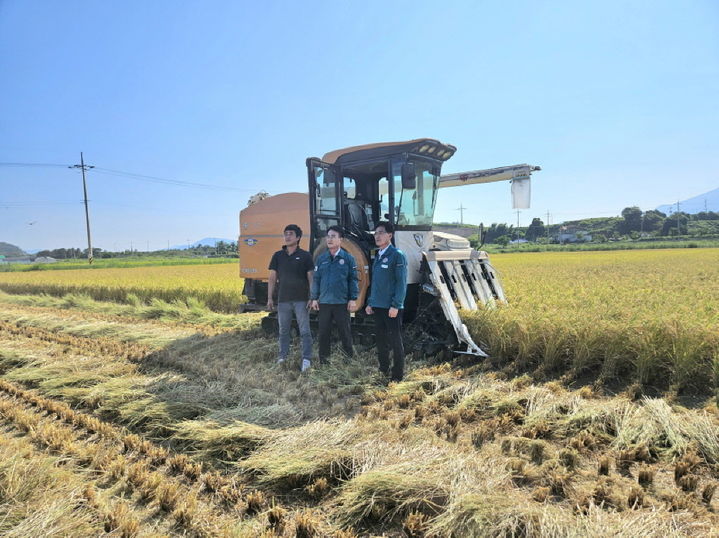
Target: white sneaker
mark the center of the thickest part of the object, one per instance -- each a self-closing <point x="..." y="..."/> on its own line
<point x="281" y="360"/>
<point x="305" y="365"/>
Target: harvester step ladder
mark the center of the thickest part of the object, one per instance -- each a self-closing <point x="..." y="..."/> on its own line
<point x="464" y="278"/>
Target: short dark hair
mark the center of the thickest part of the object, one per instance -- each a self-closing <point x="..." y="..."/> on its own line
<point x="337" y="229"/>
<point x="294" y="228"/>
<point x="386" y="225"/>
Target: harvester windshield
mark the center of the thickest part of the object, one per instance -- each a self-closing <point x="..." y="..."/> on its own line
<point x="360" y="186"/>
<point x="415" y="206"/>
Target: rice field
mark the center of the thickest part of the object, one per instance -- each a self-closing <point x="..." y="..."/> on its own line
<point x="105" y="263"/>
<point x="650" y="317"/>
<point x="217" y="286"/>
<point x="149" y="417"/>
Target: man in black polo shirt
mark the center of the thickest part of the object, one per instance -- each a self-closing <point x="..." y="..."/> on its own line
<point x="292" y="267"/>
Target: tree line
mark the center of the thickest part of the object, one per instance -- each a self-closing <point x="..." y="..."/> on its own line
<point x="226" y="249"/>
<point x="632" y="224"/>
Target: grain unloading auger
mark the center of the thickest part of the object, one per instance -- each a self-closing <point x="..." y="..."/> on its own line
<point x="357" y="187"/>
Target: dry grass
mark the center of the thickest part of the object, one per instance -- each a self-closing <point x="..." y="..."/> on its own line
<point x="212" y="442"/>
<point x="41" y="497"/>
<point x="294" y="457"/>
<point x="389" y="494"/>
<point x="451" y="451"/>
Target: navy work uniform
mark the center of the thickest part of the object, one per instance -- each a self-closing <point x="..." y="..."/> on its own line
<point x="334" y="285"/>
<point x="389" y="288"/>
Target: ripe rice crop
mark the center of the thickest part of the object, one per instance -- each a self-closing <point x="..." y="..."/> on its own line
<point x="218" y="286"/>
<point x="105" y="263"/>
<point x="645" y="316"/>
<point x="649" y="316"/>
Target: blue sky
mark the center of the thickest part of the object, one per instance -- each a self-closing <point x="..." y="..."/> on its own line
<point x="617" y="101"/>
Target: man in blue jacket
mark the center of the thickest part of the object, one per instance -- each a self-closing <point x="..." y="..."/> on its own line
<point x="386" y="300"/>
<point x="334" y="293"/>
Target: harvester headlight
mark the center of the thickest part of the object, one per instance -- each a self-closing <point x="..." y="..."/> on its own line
<point x="424" y="148"/>
<point x="431" y="150"/>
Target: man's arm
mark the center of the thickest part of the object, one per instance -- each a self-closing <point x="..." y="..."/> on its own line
<point x="400" y="285"/>
<point x="315" y="287"/>
<point x="310" y="275"/>
<point x="353" y="288"/>
<point x="271" y="282"/>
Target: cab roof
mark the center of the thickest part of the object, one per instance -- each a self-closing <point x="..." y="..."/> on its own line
<point x="422" y="146"/>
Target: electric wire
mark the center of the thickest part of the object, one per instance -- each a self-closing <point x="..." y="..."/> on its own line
<point x="28" y="165"/>
<point x="38" y="202"/>
<point x="162" y="180"/>
<point x="139" y="177"/>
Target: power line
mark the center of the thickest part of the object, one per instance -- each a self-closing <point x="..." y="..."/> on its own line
<point x="155" y="179"/>
<point x="27" y="165"/>
<point x="140" y="177"/>
<point x="38" y="202"/>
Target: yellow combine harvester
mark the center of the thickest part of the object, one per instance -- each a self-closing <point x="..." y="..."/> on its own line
<point x="357" y="187"/>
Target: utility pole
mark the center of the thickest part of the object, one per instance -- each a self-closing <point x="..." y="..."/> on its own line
<point x="518" y="212"/>
<point x="461" y="209"/>
<point x="678" y="227"/>
<point x="547" y="226"/>
<point x="82" y="166"/>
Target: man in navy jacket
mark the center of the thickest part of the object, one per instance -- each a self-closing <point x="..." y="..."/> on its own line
<point x="334" y="293"/>
<point x="386" y="300"/>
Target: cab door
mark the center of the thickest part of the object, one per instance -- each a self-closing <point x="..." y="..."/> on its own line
<point x="325" y="202"/>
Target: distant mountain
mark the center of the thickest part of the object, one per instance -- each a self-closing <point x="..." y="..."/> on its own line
<point x="708" y="200"/>
<point x="206" y="242"/>
<point x="6" y="249"/>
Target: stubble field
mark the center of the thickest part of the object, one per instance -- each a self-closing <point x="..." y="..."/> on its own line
<point x="158" y="412"/>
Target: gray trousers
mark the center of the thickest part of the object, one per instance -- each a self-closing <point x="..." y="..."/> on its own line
<point x="302" y="315"/>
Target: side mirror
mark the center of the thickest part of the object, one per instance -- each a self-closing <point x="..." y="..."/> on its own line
<point x="409" y="176"/>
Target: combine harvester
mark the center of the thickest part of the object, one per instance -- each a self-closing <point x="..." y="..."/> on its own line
<point x="357" y="187"/>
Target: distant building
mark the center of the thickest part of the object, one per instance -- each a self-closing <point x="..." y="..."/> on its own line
<point x="45" y="259"/>
<point x="456" y="229"/>
<point x="572" y="234"/>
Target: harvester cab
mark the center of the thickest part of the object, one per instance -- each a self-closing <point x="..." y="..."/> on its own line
<point x="358" y="187"/>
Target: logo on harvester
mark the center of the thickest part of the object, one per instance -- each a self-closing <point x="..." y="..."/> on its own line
<point x="419" y="239"/>
<point x="251" y="241"/>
